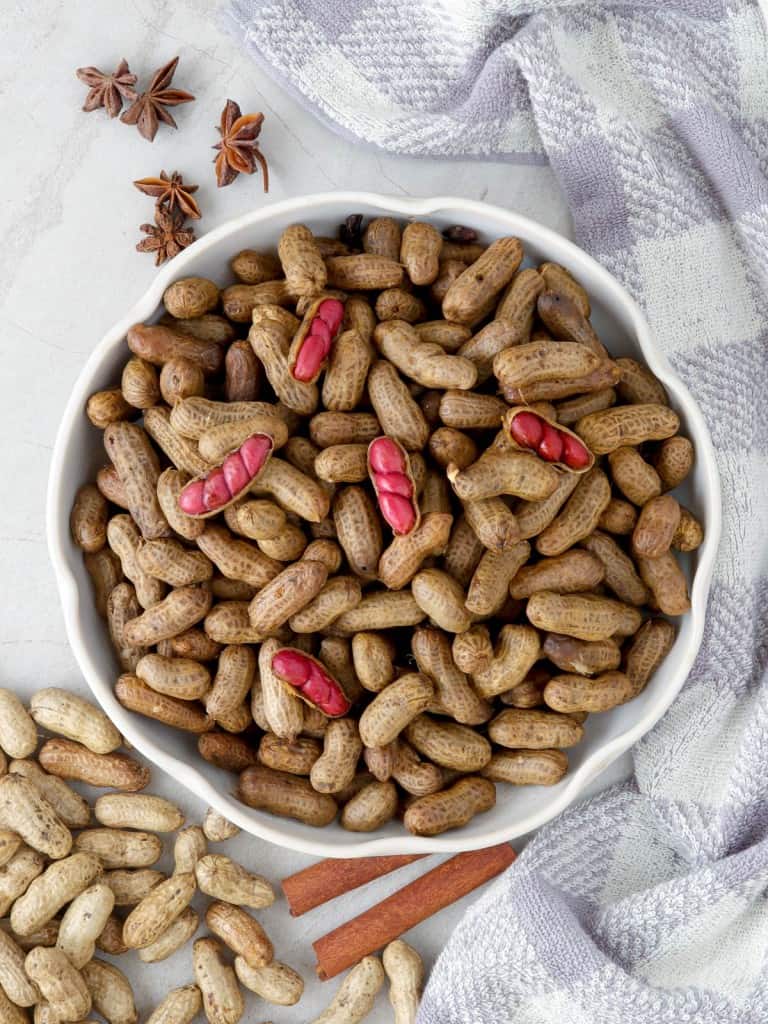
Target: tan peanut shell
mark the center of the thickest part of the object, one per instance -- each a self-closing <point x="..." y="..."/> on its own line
<point x="83" y="922"/>
<point x="620" y="573"/>
<point x="105" y="407"/>
<point x="490" y="582"/>
<point x="10" y="843"/>
<point x="169" y="486"/>
<point x="72" y="808"/>
<point x="447" y="445"/>
<point x="468" y="297"/>
<point x="228" y="622"/>
<point x="343" y="463"/>
<point x="420" y="252"/>
<point x="579" y="516"/>
<point x="584" y="616"/>
<point x="398" y="414"/>
<point x="18" y="735"/>
<point x="398" y="304"/>
<point x="606" y="431"/>
<point x="393" y="708"/>
<point x="363" y="272"/>
<point x="188" y="848"/>
<point x="240" y="300"/>
<point x="517" y="649"/>
<point x="270" y="343"/>
<point x="523" y="366"/>
<point x="564" y="320"/>
<point x="673" y="460"/>
<point x="585" y="657"/>
<point x="88" y="520"/>
<point x="656" y="526"/>
<point x="346" y="371"/>
<point x="463" y="552"/>
<point x="171" y="562"/>
<point x="105" y="572"/>
<point x="182" y="678"/>
<point x="216" y="442"/>
<point x="294" y="490"/>
<point x="571" y="692"/>
<point x="689" y="534"/>
<point x="451" y="808"/>
<point x="282" y="708"/>
<point x="425" y="362"/>
<point x="222" y="999"/>
<point x="17" y="874"/>
<point x="400" y="562"/>
<point x="61" y="985"/>
<point x="441" y="599"/>
<point x="448" y="744"/>
<point x="533" y="517"/>
<point x="286" y="795"/>
<point x="60" y="883"/>
<point x="567" y="573"/>
<point x="493" y="522"/>
<point x="370" y="808"/>
<point x="532" y="729"/>
<point x="472" y="651"/>
<point x="125" y="540"/>
<point x="224" y="879"/>
<point x="10" y="1013"/>
<point x="174" y="937"/>
<point x="467" y="410"/>
<point x="63" y="712"/>
<point x="275" y="982"/>
<point x="71" y="760"/>
<point x="179" y="379"/>
<point x="120" y="848"/>
<point x="527" y="767"/>
<point x="301" y="260"/>
<point x="453" y="693"/>
<point x="232" y="753"/>
<point x="380" y="610"/>
<point x="287" y="593"/>
<point x="138" y="810"/>
<point x="242" y="374"/>
<point x="181" y="609"/>
<point x="530" y="692"/>
<point x="618" y="517"/>
<point x="259" y="519"/>
<point x="253" y="267"/>
<point x="573" y="409"/>
<point x="14" y="979"/>
<point x="235" y="558"/>
<point x="342" y="747"/>
<point x="634" y="477"/>
<point x="405" y="970"/>
<point x="27" y="812"/>
<point x="382" y="238"/>
<point x="158" y="910"/>
<point x="358" y="530"/>
<point x="240" y="932"/>
<point x="130" y="885"/>
<point x="111" y="992"/>
<point x="373" y="655"/>
<point x="180" y="1006"/>
<point x="504" y="472"/>
<point x="355" y="998"/>
<point x="135" y="695"/>
<point x="638" y="386"/>
<point x="666" y="582"/>
<point x="180" y="450"/>
<point x="647" y="650"/>
<point x="289" y="755"/>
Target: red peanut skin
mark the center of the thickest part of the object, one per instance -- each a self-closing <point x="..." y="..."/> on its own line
<point x="311" y="681"/>
<point x="533" y="432"/>
<point x="318" y="340"/>
<point x="208" y="495"/>
<point x="389" y="470"/>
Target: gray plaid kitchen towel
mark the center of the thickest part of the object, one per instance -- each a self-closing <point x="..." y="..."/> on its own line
<point x="646" y="904"/>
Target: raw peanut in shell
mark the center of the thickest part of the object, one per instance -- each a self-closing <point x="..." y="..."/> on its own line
<point x="60" y="883"/>
<point x="70" y="806"/>
<point x="493" y="522"/>
<point x="225" y="880"/>
<point x="182" y="678"/>
<point x="140" y="811"/>
<point x="216" y="442"/>
<point x="111" y="992"/>
<point x="448" y="744"/>
<point x="580" y="515"/>
<point x="346" y="371"/>
<point x="363" y="272"/>
<point x="259" y="519"/>
<point x="584" y="616"/>
<point x="542" y="361"/>
<point x="559" y="279"/>
<point x="14" y="980"/>
<point x="463" y="552"/>
<point x="190" y="297"/>
<point x="17" y="874"/>
<point x="380" y="610"/>
<point x="270" y="344"/>
<point x="482" y="348"/>
<point x="398" y="414"/>
<point x="242" y="373"/>
<point x="646" y="651"/>
<point x="447" y="445"/>
<point x="583" y="657"/>
<point x="605" y="376"/>
<point x="120" y="848"/>
<point x="638" y="386"/>
<point x="468" y="297"/>
<point x="295" y="756"/>
<point x="180" y="379"/>
<point x="380" y="761"/>
<point x="516" y="651"/>
<point x="71" y="760"/>
<point x="533" y="517"/>
<point x="571" y="410"/>
<point x="294" y="490"/>
<point x="217" y="828"/>
<point x="170" y="484"/>
<point x="169" y="561"/>
<point x="530" y="431"/>
<point x="627" y="425"/>
<point x="504" y="472"/>
<point x="157" y="911"/>
<point x="334" y="770"/>
<point x="420" y="252"/>
<point x="468" y="411"/>
<point x="188" y="848"/>
<point x="568" y="573"/>
<point x="180" y="1006"/>
<point x="405" y="970"/>
<point x="472" y="651"/>
<point x="24" y="810"/>
<point x="571" y="692"/>
<point x="222" y="998"/>
<point x="232" y="753"/>
<point x="194" y="644"/>
<point x="240" y="301"/>
<point x="490" y="583"/>
<point x="83" y="922"/>
<point x="656" y="527"/>
<point x="424" y="362"/>
<point x="358" y="530"/>
<point x="312" y="343"/>
<point x="370" y="808"/>
<point x="130" y="885"/>
<point x="618" y="517"/>
<point x="207" y="495"/>
<point x="689" y="534"/>
<point x="565" y="321"/>
<point x="453" y="694"/>
<point x="233" y="680"/>
<point x="123" y="607"/>
<point x="276" y="982"/>
<point x="253" y="267"/>
<point x="373" y="655"/>
<point x="158" y="344"/>
<point x="441" y="599"/>
<point x="634" y="477"/>
<point x="400" y="562"/>
<point x="382" y="238"/>
<point x="301" y="260"/>
<point x="105" y="407"/>
<point x="534" y="730"/>
<point x="240" y="932"/>
<point x="529" y="693"/>
<point x="137" y="466"/>
<point x="182" y="608"/>
<point x="394" y="707"/>
<point x="398" y="304"/>
<point x="416" y="777"/>
<point x="666" y="581"/>
<point x="61" y="985"/>
<point x="673" y="461"/>
<point x="339" y="595"/>
<point x="453" y="807"/>
<point x="517" y="307"/>
<point x="193" y="417"/>
<point x="18" y="735"/>
<point x="88" y="521"/>
<point x="103" y="567"/>
<point x="527" y="767"/>
<point x="390" y="471"/>
<point x="343" y="464"/>
<point x="208" y="327"/>
<point x="289" y="592"/>
<point x="332" y="428"/>
<point x="237" y="559"/>
<point x="285" y="795"/>
<point x="125" y="540"/>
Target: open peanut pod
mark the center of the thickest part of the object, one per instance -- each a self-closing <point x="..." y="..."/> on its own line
<point x="310" y="680"/>
<point x="312" y="343"/>
<point x="221" y="486"/>
<point x="389" y="468"/>
<point x="530" y="431"/>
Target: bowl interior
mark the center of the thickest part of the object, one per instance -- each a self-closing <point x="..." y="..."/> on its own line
<point x="79" y="454"/>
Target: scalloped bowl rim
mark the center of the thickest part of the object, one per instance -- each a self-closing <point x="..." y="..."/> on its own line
<point x="266" y="826"/>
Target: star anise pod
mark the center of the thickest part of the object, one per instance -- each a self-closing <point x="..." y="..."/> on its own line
<point x="167" y="236"/>
<point x="171" y="193"/>
<point x="239" y="149"/>
<point x="149" y="109"/>
<point x="108" y="90"/>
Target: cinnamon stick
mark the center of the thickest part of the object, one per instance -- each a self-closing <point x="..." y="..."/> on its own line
<point x="433" y="891"/>
<point x="328" y="879"/>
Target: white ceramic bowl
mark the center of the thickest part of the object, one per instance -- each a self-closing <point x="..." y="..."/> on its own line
<point x="78" y="453"/>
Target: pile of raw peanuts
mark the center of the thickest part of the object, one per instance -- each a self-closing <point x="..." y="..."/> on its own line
<point x="383" y="527"/>
<point x="69" y="887"/>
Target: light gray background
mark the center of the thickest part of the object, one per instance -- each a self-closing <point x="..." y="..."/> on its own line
<point x="69" y="221"/>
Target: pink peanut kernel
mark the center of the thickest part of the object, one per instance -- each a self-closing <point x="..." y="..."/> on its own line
<point x="394" y="487"/>
<point x="227" y="481"/>
<point x="318" y="340"/>
<point x="311" y="679"/>
<point x="398" y="512"/>
<point x="549" y="443"/>
<point x="385" y="456"/>
<point x="331" y="312"/>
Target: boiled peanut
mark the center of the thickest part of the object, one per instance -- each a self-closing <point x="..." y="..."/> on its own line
<point x="689" y="534"/>
<point x="88" y="521"/>
<point x="134" y="694"/>
<point x="497" y="472"/>
<point x="516" y="651"/>
<point x="620" y="572"/>
<point x="83" y="922"/>
<point x="580" y="515"/>
<point x="118" y="848"/>
<point x="175" y="937"/>
<point x="371" y="808"/>
<point x="398" y="414"/>
<point x="451" y="808"/>
<point x="65" y="713"/>
<point x="134" y="458"/>
<point x="405" y="970"/>
<point x="393" y="708"/>
<point x="241" y="933"/>
<point x="301" y="261"/>
<point x="216" y="827"/>
<point x="400" y="562"/>
<point x="182" y="608"/>
<point x="527" y="767"/>
<point x="180" y="1006"/>
<point x="61" y="882"/>
<point x="188" y="848"/>
<point x="286" y="795"/>
<point x="491" y="579"/>
<point x="222" y="999"/>
<point x="182" y="678"/>
<point x="442" y="599"/>
<point x="584" y="616"/>
<point x="70" y="760"/>
<point x="104" y="569"/>
<point x="531" y="729"/>
<point x="18" y="735"/>
<point x="70" y="806"/>
<point x="158" y="910"/>
<point x="342" y="747"/>
<point x="634" y="477"/>
<point x="106" y="407"/>
<point x="425" y="362"/>
<point x="585" y="657"/>
<point x="275" y="982"/>
<point x="666" y="581"/>
<point x="27" y="812"/>
<point x="453" y="694"/>
<point x="604" y="432"/>
<point x="467" y="299"/>
<point x="61" y="984"/>
<point x="130" y="885"/>
<point x="224" y="879"/>
<point x="448" y="744"/>
<point x="638" y="386"/>
<point x="21" y="868"/>
<point x="125" y="540"/>
<point x="567" y="573"/>
<point x="139" y="811"/>
<point x="656" y="526"/>
<point x="571" y="692"/>
<point x="618" y="516"/>
<point x="673" y="460"/>
<point x="356" y="996"/>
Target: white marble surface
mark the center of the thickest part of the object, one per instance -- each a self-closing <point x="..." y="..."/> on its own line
<point x="69" y="220"/>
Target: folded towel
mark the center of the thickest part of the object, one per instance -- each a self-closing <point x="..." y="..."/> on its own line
<point x="645" y="905"/>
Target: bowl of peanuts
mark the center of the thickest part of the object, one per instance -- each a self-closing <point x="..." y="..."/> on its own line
<point x="382" y="524"/>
